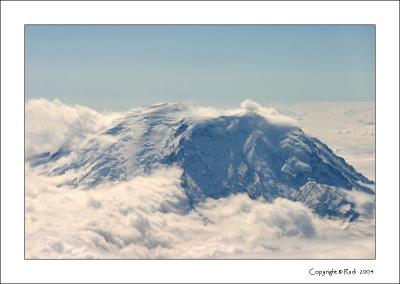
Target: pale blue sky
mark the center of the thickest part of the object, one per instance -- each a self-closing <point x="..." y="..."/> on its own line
<point x="115" y="67"/>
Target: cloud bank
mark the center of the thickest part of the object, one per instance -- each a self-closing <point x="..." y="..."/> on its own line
<point x="150" y="217"/>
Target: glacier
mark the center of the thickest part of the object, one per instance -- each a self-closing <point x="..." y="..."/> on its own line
<point x="254" y="151"/>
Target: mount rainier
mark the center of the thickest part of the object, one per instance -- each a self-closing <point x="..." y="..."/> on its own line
<point x="255" y="151"/>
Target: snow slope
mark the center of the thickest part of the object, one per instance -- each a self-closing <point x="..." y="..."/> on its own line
<point x="347" y="127"/>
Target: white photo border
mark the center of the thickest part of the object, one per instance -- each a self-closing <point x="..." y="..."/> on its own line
<point x="14" y="15"/>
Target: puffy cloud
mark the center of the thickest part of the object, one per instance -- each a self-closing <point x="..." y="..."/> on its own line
<point x="250" y="105"/>
<point x="50" y="125"/>
<point x="150" y="217"/>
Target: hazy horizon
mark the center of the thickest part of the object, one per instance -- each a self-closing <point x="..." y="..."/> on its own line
<point x="117" y="67"/>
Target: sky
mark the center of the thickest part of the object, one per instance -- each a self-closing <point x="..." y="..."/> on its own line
<point x="116" y="67"/>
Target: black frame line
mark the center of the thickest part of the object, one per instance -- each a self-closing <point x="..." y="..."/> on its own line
<point x="181" y="259"/>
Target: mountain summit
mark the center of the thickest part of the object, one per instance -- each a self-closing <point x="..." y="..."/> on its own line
<point x="254" y="150"/>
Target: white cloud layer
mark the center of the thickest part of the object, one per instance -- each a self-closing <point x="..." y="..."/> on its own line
<point x="149" y="217"/>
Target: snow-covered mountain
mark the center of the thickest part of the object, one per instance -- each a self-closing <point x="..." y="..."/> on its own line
<point x="261" y="154"/>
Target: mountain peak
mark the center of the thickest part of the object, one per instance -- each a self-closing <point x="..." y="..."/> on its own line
<point x="253" y="150"/>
